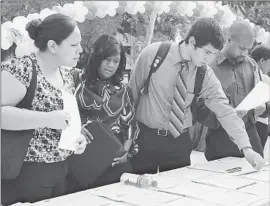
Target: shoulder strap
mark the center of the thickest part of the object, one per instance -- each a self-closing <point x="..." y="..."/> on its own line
<point x="29" y="96"/>
<point x="159" y="58"/>
<point x="199" y="80"/>
<point x="259" y="71"/>
<point x="200" y="73"/>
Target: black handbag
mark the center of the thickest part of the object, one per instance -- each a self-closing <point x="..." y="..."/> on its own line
<point x="98" y="155"/>
<point x="14" y="144"/>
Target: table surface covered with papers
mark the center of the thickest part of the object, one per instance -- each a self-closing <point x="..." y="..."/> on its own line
<point x="225" y="182"/>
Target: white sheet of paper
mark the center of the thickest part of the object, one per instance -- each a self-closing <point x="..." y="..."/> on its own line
<point x="260" y="189"/>
<point x="225" y="181"/>
<point x="115" y="204"/>
<point x="191" y="189"/>
<point x="186" y="173"/>
<point x="258" y="96"/>
<point x="226" y="165"/>
<point x="248" y="169"/>
<point x="230" y="198"/>
<point x="95" y="200"/>
<point x="219" y="165"/>
<point x="115" y="192"/>
<point x="133" y="195"/>
<point x="73" y="130"/>
<point x="150" y="198"/>
<point x="78" y="198"/>
<point x="167" y="181"/>
<point x="262" y="176"/>
<point x="190" y="202"/>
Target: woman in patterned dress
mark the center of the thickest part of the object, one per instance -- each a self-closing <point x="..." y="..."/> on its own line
<point x="102" y="95"/>
<point x="43" y="174"/>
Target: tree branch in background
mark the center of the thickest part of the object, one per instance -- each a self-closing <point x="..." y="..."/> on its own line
<point x="242" y="9"/>
<point x="150" y="30"/>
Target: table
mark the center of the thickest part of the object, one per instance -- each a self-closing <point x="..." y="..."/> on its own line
<point x="225" y="182"/>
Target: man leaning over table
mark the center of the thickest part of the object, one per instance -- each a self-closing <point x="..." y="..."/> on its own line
<point x="162" y="142"/>
<point x="238" y="74"/>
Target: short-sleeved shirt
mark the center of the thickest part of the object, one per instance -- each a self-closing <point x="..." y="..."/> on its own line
<point x="43" y="146"/>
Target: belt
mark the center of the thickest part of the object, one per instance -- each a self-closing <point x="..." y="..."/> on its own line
<point x="160" y="132"/>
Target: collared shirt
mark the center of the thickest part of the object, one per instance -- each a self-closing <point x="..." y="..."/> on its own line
<point x="154" y="109"/>
<point x="237" y="79"/>
<point x="109" y="103"/>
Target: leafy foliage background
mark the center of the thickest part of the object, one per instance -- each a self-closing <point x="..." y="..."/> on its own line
<point x="166" y="25"/>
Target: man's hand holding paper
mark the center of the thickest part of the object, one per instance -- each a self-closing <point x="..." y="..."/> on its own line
<point x="259" y="109"/>
<point x="258" y="96"/>
<point x="241" y="113"/>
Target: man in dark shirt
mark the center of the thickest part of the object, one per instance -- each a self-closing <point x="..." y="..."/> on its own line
<point x="238" y="75"/>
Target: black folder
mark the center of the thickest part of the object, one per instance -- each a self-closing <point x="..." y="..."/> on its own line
<point x="97" y="157"/>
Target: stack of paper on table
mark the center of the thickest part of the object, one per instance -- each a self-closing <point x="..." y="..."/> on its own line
<point x="261" y="202"/>
<point x="170" y="180"/>
<point x="186" y="173"/>
<point x="114" y="204"/>
<point x="230" y="198"/>
<point x="133" y="195"/>
<point x="219" y="165"/>
<point x="225" y="181"/>
<point x="191" y="189"/>
<point x="246" y="168"/>
<point x="190" y="202"/>
<point x="262" y="175"/>
<point x="226" y="165"/>
<point x="165" y="182"/>
<point x="80" y="198"/>
<point x="260" y="189"/>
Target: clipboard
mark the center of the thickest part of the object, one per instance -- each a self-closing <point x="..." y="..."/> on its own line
<point x="98" y="155"/>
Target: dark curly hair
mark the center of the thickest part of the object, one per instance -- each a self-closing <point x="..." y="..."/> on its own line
<point x="260" y="52"/>
<point x="206" y="31"/>
<point x="104" y="47"/>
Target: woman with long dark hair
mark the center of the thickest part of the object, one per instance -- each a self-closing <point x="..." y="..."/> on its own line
<point x="102" y="95"/>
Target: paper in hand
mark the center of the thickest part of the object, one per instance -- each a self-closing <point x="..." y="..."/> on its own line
<point x="258" y="96"/>
<point x="73" y="130"/>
